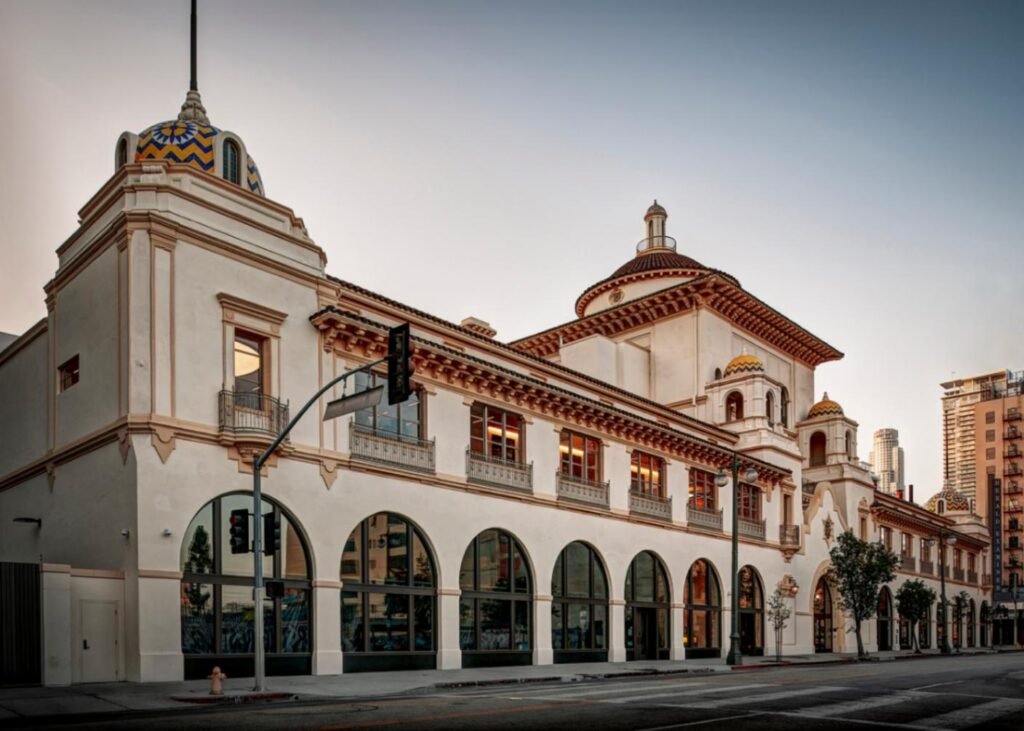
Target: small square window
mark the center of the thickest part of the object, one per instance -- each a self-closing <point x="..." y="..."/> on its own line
<point x="990" y="417"/>
<point x="990" y="453"/>
<point x="990" y="435"/>
<point x="68" y="373"/>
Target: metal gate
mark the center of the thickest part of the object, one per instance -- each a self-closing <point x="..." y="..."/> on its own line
<point x="20" y="624"/>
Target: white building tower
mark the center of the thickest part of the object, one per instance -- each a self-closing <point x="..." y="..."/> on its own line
<point x="887" y="462"/>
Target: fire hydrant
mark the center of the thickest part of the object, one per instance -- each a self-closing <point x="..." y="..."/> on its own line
<point x="217" y="681"/>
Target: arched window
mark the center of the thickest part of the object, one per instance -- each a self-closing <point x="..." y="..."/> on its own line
<point x="579" y="606"/>
<point x="494" y="611"/>
<point x="784" y="414"/>
<point x="751" y="612"/>
<point x="122" y="153"/>
<point x="231" y="165"/>
<point x="849" y="444"/>
<point x="703" y="600"/>
<point x="718" y="374"/>
<point x="647" y="608"/>
<point x="884" y="619"/>
<point x="216" y="595"/>
<point x="734" y="406"/>
<point x="941" y="507"/>
<point x="818" y="442"/>
<point x="769" y="408"/>
<point x="388" y="597"/>
<point x="822" y="616"/>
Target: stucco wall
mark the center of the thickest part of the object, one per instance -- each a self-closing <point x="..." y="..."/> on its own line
<point x="24" y="383"/>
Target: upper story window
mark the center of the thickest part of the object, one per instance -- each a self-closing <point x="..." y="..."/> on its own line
<point x="907" y="544"/>
<point x="734" y="406"/>
<point x="990" y="435"/>
<point x="849" y="445"/>
<point x="769" y="408"/>
<point x="749" y="506"/>
<point x="398" y="421"/>
<point x="863" y="528"/>
<point x="250" y="352"/>
<point x="495" y="434"/>
<point x="958" y="559"/>
<point x="785" y="406"/>
<point x="703" y="493"/>
<point x="232" y="170"/>
<point x="886" y="537"/>
<point x="971" y="562"/>
<point x="990" y="417"/>
<point x="68" y="373"/>
<point x="580" y="456"/>
<point x="647" y="474"/>
<point x="926" y="550"/>
<point x="818" y="444"/>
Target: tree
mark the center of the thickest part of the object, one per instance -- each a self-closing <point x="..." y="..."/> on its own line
<point x="913" y="600"/>
<point x="858" y="570"/>
<point x="778" y="613"/>
<point x="200" y="561"/>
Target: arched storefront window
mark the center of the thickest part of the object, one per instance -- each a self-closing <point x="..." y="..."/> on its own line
<point x="216" y="595"/>
<point x="495" y="625"/>
<point x="703" y="600"/>
<point x="388" y="597"/>
<point x="972" y="618"/>
<point x="823" y="629"/>
<point x="647" y="608"/>
<point x="579" y="606"/>
<point x="751" y="616"/>
<point x="884" y="615"/>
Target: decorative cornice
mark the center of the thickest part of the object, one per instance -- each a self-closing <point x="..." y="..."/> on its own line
<point x="888" y="510"/>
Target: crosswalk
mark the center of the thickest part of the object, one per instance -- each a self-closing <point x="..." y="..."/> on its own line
<point x="918" y="709"/>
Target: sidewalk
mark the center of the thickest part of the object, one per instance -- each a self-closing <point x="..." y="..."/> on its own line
<point x="115" y="698"/>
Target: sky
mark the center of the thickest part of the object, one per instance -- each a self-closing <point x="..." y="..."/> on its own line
<point x="859" y="166"/>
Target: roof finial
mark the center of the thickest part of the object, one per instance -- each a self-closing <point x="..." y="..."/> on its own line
<point x="193" y="110"/>
<point x="825" y="397"/>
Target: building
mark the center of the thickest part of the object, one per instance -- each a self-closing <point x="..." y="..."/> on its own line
<point x="564" y="497"/>
<point x="887" y="462"/>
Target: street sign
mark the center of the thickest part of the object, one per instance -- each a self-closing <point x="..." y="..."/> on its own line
<point x="399" y="367"/>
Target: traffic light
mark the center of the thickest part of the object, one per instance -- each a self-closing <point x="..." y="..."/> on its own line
<point x="271" y="534"/>
<point x="239" y="530"/>
<point x="399" y="367"/>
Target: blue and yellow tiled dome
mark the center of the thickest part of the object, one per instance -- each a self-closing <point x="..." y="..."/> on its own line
<point x="825" y="407"/>
<point x="743" y="364"/>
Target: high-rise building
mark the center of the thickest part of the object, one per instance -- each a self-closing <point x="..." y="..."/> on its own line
<point x="887" y="462"/>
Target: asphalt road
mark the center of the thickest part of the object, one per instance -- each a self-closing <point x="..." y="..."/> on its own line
<point x="936" y="693"/>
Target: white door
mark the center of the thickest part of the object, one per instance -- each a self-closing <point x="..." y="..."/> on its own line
<point x="99" y="641"/>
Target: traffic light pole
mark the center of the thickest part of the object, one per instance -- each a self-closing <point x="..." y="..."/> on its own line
<point x="257" y="530"/>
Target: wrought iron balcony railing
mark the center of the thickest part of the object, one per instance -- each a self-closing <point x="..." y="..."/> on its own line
<point x="1013" y="433"/>
<point x="582" y="490"/>
<point x="389" y="448"/>
<point x="489" y="470"/>
<point x="789" y="535"/>
<point x="928" y="567"/>
<point x="972" y="577"/>
<point x="1012" y="415"/>
<point x="908" y="563"/>
<point x="656" y="242"/>
<point x="703" y="518"/>
<point x="244" y="413"/>
<point x="653" y="506"/>
<point x="958" y="574"/>
<point x="751" y="528"/>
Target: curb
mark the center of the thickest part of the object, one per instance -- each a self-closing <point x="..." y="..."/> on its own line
<point x="235" y="698"/>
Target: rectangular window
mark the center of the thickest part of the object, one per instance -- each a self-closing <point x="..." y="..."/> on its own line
<point x="886" y="535"/>
<point x="990" y="453"/>
<point x="749" y="507"/>
<point x="404" y="420"/>
<point x="495" y="434"/>
<point x="970" y="562"/>
<point x="990" y="435"/>
<point x="703" y="493"/>
<point x="68" y="373"/>
<point x="863" y="529"/>
<point x="926" y="550"/>
<point x="958" y="559"/>
<point x="647" y="474"/>
<point x="580" y="456"/>
<point x="990" y="417"/>
<point x="249" y="352"/>
<point x="906" y="544"/>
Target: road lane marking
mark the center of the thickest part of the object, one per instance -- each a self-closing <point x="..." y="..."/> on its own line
<point x="442" y="717"/>
<point x="760" y="698"/>
<point x="677" y="693"/>
<point x="698" y="723"/>
<point x="972" y="715"/>
<point x="537" y="690"/>
<point x="864" y="704"/>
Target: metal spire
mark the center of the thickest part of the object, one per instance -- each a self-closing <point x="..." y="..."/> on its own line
<point x="193" y="110"/>
<point x="192" y="85"/>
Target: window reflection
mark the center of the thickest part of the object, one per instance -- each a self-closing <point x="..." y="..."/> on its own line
<point x="495" y="605"/>
<point x="579" y="604"/>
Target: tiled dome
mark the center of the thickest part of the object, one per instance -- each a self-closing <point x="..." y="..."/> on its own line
<point x="953" y="501"/>
<point x="662" y="259"/>
<point x="743" y="364"/>
<point x="825" y="407"/>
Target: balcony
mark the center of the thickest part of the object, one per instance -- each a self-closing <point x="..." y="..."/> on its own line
<point x="1012" y="453"/>
<point x="972" y="577"/>
<point x="986" y="580"/>
<point x="789" y="535"/>
<point x="251" y="414"/>
<point x="656" y="242"/>
<point x="582" y="490"/>
<point x="958" y="574"/>
<point x="927" y="568"/>
<point x="751" y="528"/>
<point x="495" y="472"/>
<point x="1013" y="507"/>
<point x="703" y="518"/>
<point x="653" y="506"/>
<point x="1013" y="488"/>
<point x="1013" y="470"/>
<point x="908" y="563"/>
<point x="1013" y="433"/>
<point x="390" y="448"/>
<point x="1013" y="527"/>
<point x="1012" y="415"/>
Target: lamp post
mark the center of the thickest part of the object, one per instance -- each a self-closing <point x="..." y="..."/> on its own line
<point x="735" y="657"/>
<point x="944" y="539"/>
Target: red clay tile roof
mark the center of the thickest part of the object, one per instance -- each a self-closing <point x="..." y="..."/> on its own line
<point x="656" y="260"/>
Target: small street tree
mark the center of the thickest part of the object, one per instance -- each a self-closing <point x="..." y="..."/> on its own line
<point x="913" y="600"/>
<point x="778" y="614"/>
<point x="859" y="568"/>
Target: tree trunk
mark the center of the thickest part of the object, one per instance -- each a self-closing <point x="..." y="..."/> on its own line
<point x="913" y="638"/>
<point x="860" y="642"/>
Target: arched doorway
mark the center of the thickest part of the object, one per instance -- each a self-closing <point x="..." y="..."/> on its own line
<point x="885" y="617"/>
<point x="751" y="617"/>
<point x="579" y="606"/>
<point x="647" y="608"/>
<point x="703" y="602"/>
<point x="216" y="595"/>
<point x="823" y="629"/>
<point x="495" y="626"/>
<point x="972" y="618"/>
<point x="388" y="597"/>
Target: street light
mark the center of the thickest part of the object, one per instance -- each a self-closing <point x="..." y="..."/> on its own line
<point x="735" y="657"/>
<point x="945" y="539"/>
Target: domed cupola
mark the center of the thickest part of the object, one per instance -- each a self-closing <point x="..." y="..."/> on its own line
<point x="825" y="407"/>
<point x="656" y="258"/>
<point x="948" y="500"/>
<point x="743" y="364"/>
<point x="191" y="140"/>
